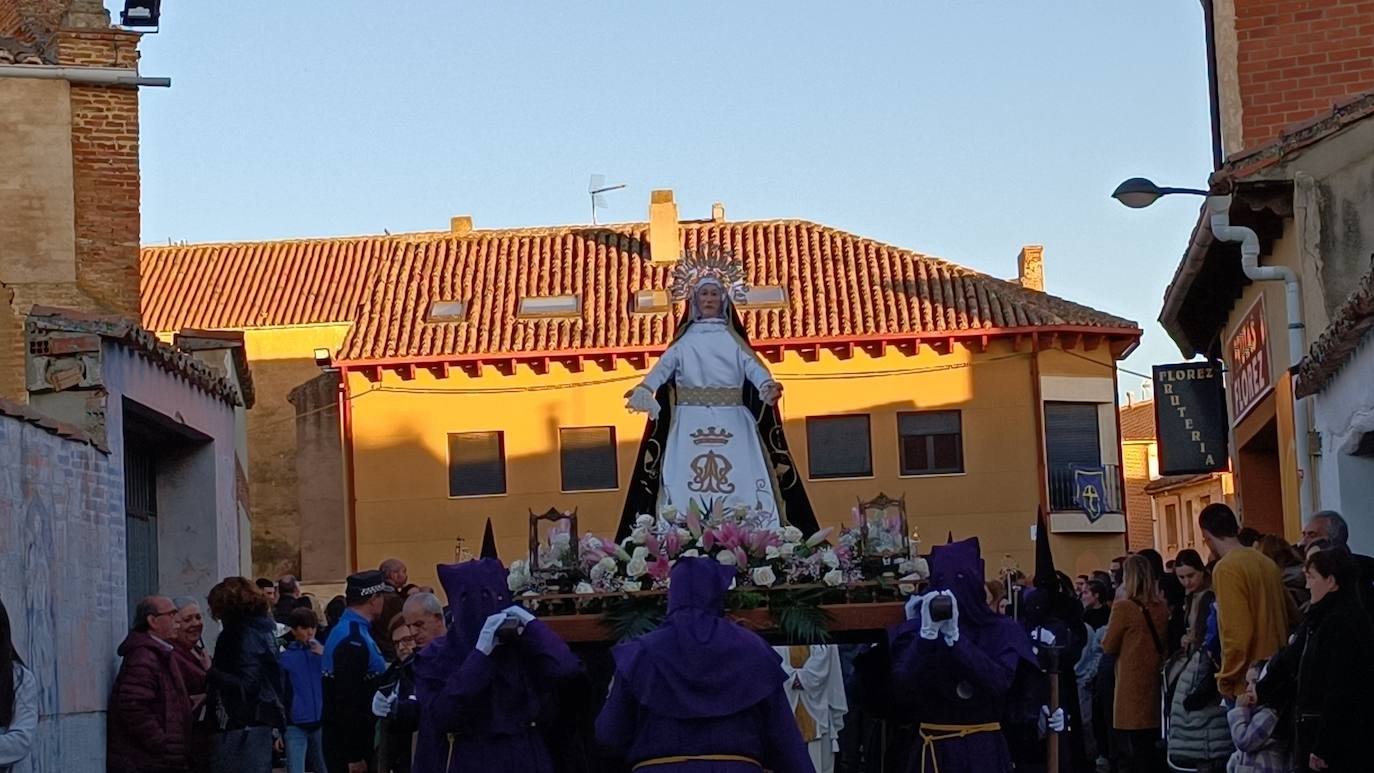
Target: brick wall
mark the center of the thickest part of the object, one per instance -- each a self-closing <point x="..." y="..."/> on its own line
<point x="1296" y="57"/>
<point x="1140" y="530"/>
<point x="61" y="499"/>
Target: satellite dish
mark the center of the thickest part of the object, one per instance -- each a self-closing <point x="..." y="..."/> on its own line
<point x="597" y="186"/>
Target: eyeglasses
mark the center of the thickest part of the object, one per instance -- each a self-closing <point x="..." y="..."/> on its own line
<point x="405" y="640"/>
<point x="164" y="614"/>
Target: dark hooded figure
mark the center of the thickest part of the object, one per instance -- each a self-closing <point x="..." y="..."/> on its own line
<point x="1053" y="616"/>
<point x="700" y="694"/>
<point x="962" y="672"/>
<point x="484" y="698"/>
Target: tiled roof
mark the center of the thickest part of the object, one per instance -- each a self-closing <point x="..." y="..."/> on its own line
<point x="257" y="284"/>
<point x="213" y="340"/>
<point x="47" y="424"/>
<point x="1175" y="481"/>
<point x="147" y="345"/>
<point x="1295" y="138"/>
<point x="1138" y="421"/>
<point x="18" y="52"/>
<point x="838" y="286"/>
<point x="1349" y="326"/>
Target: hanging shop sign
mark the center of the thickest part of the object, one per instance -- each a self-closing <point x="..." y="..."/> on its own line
<point x="1190" y="418"/>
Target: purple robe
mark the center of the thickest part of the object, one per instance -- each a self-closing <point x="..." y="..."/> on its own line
<point x="483" y="712"/>
<point x="701" y="685"/>
<point x="968" y="683"/>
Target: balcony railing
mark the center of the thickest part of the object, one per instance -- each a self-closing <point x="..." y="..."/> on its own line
<point x="1062" y="487"/>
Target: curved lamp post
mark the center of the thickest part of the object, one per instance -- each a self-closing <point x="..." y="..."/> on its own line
<point x="1138" y="192"/>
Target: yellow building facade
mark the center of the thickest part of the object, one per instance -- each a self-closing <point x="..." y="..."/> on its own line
<point x="445" y="376"/>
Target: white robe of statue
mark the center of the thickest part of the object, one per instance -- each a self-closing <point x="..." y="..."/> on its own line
<point x="714" y="452"/>
<point x="815" y="690"/>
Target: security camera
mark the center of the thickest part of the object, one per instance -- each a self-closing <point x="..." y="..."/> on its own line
<point x="324" y="359"/>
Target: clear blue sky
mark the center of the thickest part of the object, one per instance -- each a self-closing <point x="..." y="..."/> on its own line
<point x="962" y="130"/>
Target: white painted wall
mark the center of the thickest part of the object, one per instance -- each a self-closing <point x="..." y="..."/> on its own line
<point x="1344" y="412"/>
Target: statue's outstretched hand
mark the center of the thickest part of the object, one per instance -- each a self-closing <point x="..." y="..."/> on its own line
<point x="771" y="392"/>
<point x="641" y="400"/>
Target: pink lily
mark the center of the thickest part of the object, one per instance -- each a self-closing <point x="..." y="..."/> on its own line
<point x="820" y="536"/>
<point x="708" y="540"/>
<point x="672" y="542"/>
<point x="659" y="569"/>
<point x="741" y="559"/>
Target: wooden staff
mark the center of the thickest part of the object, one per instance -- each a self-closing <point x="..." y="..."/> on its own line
<point x="1051" y="737"/>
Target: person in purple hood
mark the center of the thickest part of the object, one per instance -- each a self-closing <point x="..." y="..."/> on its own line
<point x="485" y="693"/>
<point x="700" y="694"/>
<point x="960" y="669"/>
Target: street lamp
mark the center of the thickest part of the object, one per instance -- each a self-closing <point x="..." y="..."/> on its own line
<point x="1138" y="192"/>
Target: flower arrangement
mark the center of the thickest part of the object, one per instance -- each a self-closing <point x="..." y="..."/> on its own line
<point x="763" y="556"/>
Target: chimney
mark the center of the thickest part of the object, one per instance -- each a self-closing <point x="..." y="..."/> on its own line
<point x="460" y="225"/>
<point x="718" y="212"/>
<point x="664" y="244"/>
<point x="1031" y="267"/>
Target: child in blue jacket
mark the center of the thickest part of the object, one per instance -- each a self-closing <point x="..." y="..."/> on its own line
<point x="302" y="672"/>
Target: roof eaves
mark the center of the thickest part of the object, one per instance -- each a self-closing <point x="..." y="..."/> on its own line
<point x="142" y="341"/>
<point x="1341" y="338"/>
<point x="1252" y="160"/>
<point x="48" y="424"/>
<point x="1199" y="243"/>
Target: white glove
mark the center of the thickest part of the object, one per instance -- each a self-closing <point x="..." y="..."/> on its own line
<point x="1041" y="637"/>
<point x="486" y="640"/>
<point x="1056" y="721"/>
<point x="930" y="629"/>
<point x="913" y="606"/>
<point x="641" y="400"/>
<point x="382" y="703"/>
<point x="520" y="615"/>
<point x="950" y="628"/>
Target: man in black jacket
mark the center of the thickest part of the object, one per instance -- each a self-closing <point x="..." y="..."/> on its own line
<point x="1330" y="526"/>
<point x="352" y="667"/>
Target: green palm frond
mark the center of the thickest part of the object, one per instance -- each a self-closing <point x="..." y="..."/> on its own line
<point x="633" y="616"/>
<point x="799" y="616"/>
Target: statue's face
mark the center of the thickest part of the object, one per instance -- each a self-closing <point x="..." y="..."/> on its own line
<point x="709" y="301"/>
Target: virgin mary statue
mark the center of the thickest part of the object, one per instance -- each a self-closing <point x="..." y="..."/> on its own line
<point x="714" y="436"/>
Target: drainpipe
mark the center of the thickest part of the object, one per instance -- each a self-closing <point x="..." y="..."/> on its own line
<point x="1219" y="209"/>
<point x="106" y="76"/>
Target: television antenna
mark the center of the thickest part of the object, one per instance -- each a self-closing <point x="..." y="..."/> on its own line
<point x="595" y="188"/>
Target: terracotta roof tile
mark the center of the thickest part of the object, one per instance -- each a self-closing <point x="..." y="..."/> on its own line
<point x="257" y="284"/>
<point x="1138" y="421"/>
<point x="1332" y="350"/>
<point x="1249" y="161"/>
<point x="14" y="51"/>
<point x="164" y="356"/>
<point x="838" y="285"/>
<point x="47" y="423"/>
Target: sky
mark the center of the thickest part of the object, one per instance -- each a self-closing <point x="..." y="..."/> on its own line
<point x="957" y="129"/>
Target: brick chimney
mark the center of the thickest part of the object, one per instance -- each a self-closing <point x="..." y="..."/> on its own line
<point x="460" y="225"/>
<point x="1030" y="267"/>
<point x="665" y="244"/>
<point x="718" y="212"/>
<point x="71" y="216"/>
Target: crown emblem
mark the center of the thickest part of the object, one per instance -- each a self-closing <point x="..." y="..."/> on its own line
<point x="708" y="262"/>
<point x="711" y="436"/>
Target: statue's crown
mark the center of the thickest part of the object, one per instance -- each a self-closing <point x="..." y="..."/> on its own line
<point x="708" y="261"/>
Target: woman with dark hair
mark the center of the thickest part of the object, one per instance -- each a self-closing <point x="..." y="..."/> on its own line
<point x="1199" y="737"/>
<point x="332" y="612"/>
<point x="245" y="679"/>
<point x="1289" y="562"/>
<point x="1174" y="596"/>
<point x="1325" y="673"/>
<point x="18" y="700"/>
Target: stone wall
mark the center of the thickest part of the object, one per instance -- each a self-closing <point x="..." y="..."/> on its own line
<point x="62" y="580"/>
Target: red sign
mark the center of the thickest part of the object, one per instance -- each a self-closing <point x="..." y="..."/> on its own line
<point x="1250" y="366"/>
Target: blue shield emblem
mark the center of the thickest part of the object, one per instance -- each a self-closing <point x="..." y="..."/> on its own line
<point x="1090" y="491"/>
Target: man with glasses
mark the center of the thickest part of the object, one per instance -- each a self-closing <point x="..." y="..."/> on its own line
<point x="150" y="713"/>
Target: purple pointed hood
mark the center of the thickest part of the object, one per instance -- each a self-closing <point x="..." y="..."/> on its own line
<point x="475" y="591"/>
<point x="698" y="663"/>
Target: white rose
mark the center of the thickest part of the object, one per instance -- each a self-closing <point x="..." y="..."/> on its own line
<point x="829" y="558"/>
<point x="644" y="520"/>
<point x="639" y="534"/>
<point x="772" y="552"/>
<point x="631" y="585"/>
<point x="791" y="534"/>
<point x="764" y="577"/>
<point x="727" y="557"/>
<point x="517" y="582"/>
<point x="788" y="549"/>
<point x="637" y="567"/>
<point x="693" y="553"/>
<point x="834" y="578"/>
<point x="641" y="553"/>
<point x="583" y="587"/>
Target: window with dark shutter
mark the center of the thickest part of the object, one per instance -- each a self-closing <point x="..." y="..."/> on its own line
<point x="476" y="463"/>
<point x="1071" y="442"/>
<point x="931" y="442"/>
<point x="839" y="446"/>
<point x="587" y="458"/>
